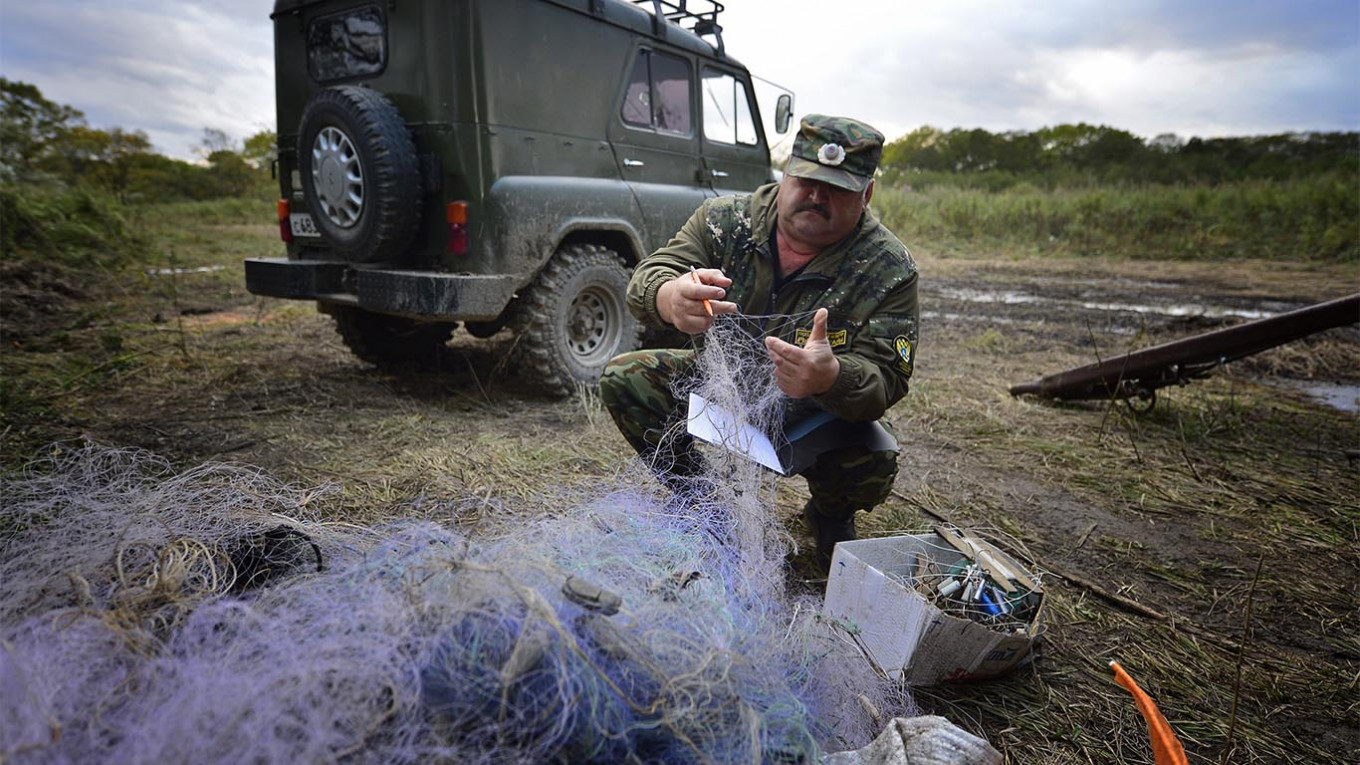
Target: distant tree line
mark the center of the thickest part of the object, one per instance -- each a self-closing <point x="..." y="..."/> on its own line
<point x="1082" y="154"/>
<point x="42" y="141"/>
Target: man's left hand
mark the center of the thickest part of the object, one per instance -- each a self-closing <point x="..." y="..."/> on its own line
<point x="806" y="371"/>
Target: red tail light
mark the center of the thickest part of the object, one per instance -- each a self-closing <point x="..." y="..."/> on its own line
<point x="456" y="213"/>
<point x="285" y="228"/>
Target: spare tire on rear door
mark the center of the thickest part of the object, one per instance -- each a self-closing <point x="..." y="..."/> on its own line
<point x="360" y="173"/>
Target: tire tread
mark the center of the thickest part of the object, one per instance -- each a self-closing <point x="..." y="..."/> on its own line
<point x="540" y="335"/>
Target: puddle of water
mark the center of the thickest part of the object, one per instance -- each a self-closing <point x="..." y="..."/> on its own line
<point x="1189" y="309"/>
<point x="1011" y="297"/>
<point x="1336" y="395"/>
<point x="984" y="296"/>
<point x="179" y="271"/>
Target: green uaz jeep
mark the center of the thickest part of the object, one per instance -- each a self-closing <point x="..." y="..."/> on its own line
<point x="499" y="164"/>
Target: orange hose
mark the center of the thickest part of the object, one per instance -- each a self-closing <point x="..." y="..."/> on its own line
<point x="1166" y="748"/>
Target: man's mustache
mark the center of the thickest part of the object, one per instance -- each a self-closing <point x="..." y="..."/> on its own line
<point x="814" y="207"/>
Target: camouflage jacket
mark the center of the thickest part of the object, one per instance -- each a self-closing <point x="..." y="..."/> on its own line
<point x="867" y="282"/>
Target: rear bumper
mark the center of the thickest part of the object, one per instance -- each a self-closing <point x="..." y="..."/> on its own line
<point x="426" y="294"/>
<point x="294" y="279"/>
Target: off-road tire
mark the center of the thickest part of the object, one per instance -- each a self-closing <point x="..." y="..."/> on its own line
<point x="367" y="204"/>
<point x="392" y="341"/>
<point x="575" y="318"/>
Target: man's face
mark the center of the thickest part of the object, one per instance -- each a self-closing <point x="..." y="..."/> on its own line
<point x="817" y="214"/>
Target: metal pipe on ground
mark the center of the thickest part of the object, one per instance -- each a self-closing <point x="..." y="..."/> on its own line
<point x="1142" y="372"/>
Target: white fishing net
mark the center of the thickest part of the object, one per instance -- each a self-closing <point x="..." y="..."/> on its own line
<point x="149" y="615"/>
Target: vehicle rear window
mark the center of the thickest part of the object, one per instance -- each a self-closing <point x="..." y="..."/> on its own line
<point x="348" y="44"/>
<point x="658" y="94"/>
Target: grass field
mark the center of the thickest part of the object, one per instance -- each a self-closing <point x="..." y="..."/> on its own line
<point x="1311" y="219"/>
<point x="1211" y="545"/>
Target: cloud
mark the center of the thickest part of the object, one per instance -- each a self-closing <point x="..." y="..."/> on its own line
<point x="1201" y="67"/>
<point x="1193" y="93"/>
<point x="1215" y="67"/>
<point x="1225" y="25"/>
<point x="167" y="67"/>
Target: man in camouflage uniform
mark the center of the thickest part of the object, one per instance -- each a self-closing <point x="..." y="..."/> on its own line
<point x="808" y="243"/>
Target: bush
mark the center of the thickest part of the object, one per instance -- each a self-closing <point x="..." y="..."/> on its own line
<point x="75" y="227"/>
<point x="1313" y="218"/>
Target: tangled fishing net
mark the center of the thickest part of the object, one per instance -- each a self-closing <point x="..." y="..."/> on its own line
<point x="154" y="615"/>
<point x="733" y="372"/>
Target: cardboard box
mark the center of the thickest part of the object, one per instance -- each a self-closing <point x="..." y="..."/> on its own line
<point x="905" y="635"/>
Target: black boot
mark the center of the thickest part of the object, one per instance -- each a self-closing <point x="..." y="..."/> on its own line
<point x="828" y="530"/>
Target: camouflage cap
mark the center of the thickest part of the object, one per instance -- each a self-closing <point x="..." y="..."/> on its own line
<point x="837" y="150"/>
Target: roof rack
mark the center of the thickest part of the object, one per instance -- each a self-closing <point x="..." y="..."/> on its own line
<point x="677" y="12"/>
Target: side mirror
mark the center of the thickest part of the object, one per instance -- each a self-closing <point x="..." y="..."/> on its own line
<point x="783" y="112"/>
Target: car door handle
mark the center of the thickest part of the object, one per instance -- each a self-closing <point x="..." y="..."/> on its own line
<point x="719" y="173"/>
<point x="633" y="162"/>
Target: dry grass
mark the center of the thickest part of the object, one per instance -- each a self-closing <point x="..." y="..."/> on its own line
<point x="1171" y="510"/>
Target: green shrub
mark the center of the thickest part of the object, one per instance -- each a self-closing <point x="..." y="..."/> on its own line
<point x="1314" y="218"/>
<point x="75" y="227"/>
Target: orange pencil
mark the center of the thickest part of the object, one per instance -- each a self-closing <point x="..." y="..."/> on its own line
<point x="694" y="273"/>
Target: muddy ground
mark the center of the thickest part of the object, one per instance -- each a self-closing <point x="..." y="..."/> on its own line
<point x="1210" y="545"/>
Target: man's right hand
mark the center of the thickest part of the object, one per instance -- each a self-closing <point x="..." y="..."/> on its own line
<point x="680" y="301"/>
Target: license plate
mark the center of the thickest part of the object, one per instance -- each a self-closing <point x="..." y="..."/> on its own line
<point x="302" y="225"/>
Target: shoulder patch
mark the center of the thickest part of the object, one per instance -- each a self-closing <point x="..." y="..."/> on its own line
<point x="904" y="353"/>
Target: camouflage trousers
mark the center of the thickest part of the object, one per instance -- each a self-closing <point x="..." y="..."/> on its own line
<point x="637" y="389"/>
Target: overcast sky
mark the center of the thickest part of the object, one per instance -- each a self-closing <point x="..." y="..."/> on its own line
<point x="1191" y="67"/>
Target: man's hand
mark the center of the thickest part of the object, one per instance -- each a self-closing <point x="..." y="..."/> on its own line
<point x="680" y="301"/>
<point x="806" y="371"/>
